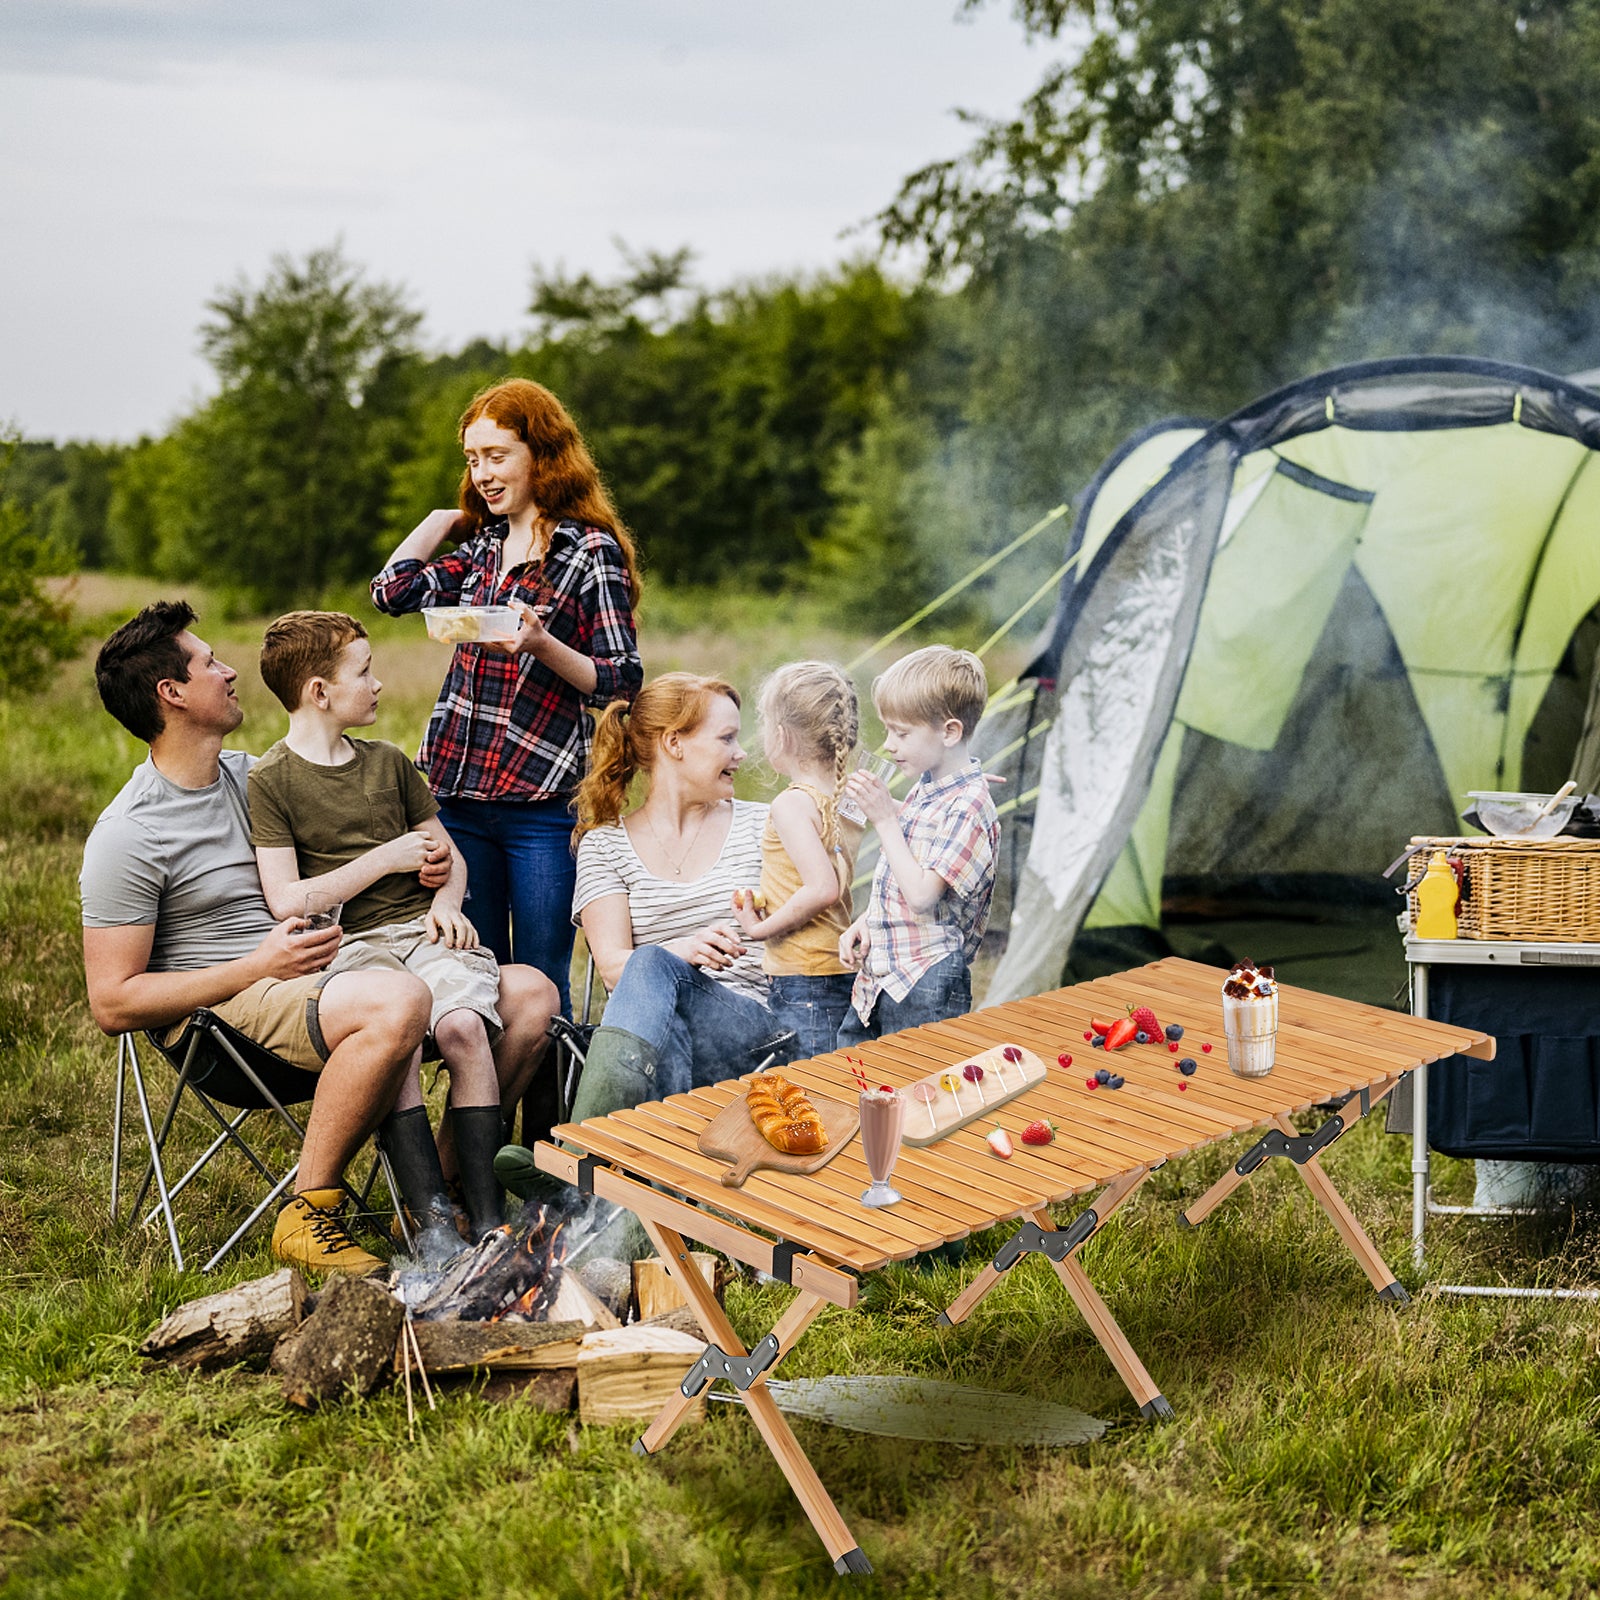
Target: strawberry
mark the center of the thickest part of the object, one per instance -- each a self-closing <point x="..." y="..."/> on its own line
<point x="1121" y="1032"/>
<point x="1144" y="1019"/>
<point x="1038" y="1133"/>
<point x="1096" y="1025"/>
<point x="1000" y="1143"/>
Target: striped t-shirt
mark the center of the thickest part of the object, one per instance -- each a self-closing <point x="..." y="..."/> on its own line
<point x="662" y="909"/>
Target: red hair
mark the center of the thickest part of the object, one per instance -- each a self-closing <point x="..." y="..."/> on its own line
<point x="566" y="482"/>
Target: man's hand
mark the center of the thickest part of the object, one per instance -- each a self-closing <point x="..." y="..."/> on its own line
<point x="715" y="948"/>
<point x="745" y="912"/>
<point x="435" y="872"/>
<point x="411" y="852"/>
<point x="452" y="927"/>
<point x="854" y="943"/>
<point x="530" y="634"/>
<point x="290" y="951"/>
<point x="871" y="793"/>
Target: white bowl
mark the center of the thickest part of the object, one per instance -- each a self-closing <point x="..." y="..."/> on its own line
<point x="1516" y="816"/>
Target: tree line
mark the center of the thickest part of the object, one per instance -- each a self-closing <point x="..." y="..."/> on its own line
<point x="1201" y="200"/>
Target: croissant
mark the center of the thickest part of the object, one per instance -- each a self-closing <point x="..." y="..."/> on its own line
<point x="786" y="1119"/>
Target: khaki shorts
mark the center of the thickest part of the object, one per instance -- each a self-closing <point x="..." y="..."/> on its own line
<point x="459" y="980"/>
<point x="280" y="1014"/>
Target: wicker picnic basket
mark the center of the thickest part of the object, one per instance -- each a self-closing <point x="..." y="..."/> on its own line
<point x="1545" y="890"/>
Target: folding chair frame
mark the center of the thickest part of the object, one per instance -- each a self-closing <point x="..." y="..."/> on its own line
<point x="201" y="1033"/>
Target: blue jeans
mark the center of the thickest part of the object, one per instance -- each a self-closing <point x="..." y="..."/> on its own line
<point x="702" y="1031"/>
<point x="520" y="874"/>
<point x="814" y="1007"/>
<point x="942" y="992"/>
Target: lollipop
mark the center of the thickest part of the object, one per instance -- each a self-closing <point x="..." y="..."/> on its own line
<point x="927" y="1094"/>
<point x="952" y="1083"/>
<point x="973" y="1073"/>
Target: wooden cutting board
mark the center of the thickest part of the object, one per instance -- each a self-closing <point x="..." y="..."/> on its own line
<point x="731" y="1136"/>
<point x="936" y="1112"/>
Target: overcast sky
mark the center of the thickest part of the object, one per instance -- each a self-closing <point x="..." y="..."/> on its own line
<point x="152" y="150"/>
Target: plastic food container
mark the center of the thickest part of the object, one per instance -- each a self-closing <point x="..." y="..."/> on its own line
<point x="472" y="624"/>
<point x="1516" y="816"/>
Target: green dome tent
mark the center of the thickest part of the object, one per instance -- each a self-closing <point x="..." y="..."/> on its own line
<point x="1297" y="636"/>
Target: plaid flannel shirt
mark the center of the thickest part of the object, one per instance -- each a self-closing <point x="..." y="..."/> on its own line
<point x="951" y="827"/>
<point x="507" y="727"/>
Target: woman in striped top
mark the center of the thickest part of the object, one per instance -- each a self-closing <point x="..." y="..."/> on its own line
<point x="687" y="999"/>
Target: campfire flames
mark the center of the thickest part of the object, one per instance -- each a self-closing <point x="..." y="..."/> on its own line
<point x="511" y="1275"/>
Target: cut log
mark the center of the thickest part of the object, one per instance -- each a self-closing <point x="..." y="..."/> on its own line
<point x="681" y="1319"/>
<point x="655" y="1291"/>
<point x="556" y="1390"/>
<point x="628" y="1374"/>
<point x="234" y="1325"/>
<point x="574" y="1303"/>
<point x="449" y="1346"/>
<point x="344" y="1347"/>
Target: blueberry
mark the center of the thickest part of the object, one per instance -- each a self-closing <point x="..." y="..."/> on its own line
<point x="1187" y="1066"/>
<point x="1174" y="1031"/>
<point x="1102" y="1076"/>
<point x="1141" y="1037"/>
<point x="1116" y="1082"/>
<point x="1097" y="1043"/>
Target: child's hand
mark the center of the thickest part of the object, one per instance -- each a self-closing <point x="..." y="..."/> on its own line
<point x="871" y="793"/>
<point x="853" y="945"/>
<point x="408" y="853"/>
<point x="746" y="913"/>
<point x="435" y="873"/>
<point x="452" y="927"/>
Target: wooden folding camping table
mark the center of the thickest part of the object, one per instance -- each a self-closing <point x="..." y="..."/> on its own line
<point x="813" y="1232"/>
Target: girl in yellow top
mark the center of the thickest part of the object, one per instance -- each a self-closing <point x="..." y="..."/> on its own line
<point x="809" y="723"/>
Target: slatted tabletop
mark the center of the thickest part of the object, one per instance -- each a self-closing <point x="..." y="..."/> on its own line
<point x="1327" y="1048"/>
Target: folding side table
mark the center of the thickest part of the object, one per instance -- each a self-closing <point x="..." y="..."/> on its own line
<point x="813" y="1232"/>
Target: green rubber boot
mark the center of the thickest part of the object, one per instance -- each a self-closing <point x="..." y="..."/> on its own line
<point x="619" y="1071"/>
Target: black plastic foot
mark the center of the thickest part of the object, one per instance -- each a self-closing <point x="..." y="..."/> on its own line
<point x="853" y="1561"/>
<point x="943" y="1320"/>
<point x="1157" y="1410"/>
<point x="1395" y="1293"/>
<point x="1183" y="1220"/>
<point x="639" y="1448"/>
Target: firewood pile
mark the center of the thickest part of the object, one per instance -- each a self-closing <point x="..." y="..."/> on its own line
<point x="503" y="1322"/>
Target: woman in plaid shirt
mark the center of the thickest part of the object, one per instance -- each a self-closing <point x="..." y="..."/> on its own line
<point x="509" y="740"/>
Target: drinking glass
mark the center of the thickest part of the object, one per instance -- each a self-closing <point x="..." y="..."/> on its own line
<point x="883" y="1115"/>
<point x="880" y="767"/>
<point x="316" y="921"/>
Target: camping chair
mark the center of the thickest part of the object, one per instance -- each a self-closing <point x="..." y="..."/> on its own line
<point x="549" y="1097"/>
<point x="217" y="1067"/>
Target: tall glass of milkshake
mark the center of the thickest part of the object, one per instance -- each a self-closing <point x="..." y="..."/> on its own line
<point x="1250" y="1019"/>
<point x="883" y="1115"/>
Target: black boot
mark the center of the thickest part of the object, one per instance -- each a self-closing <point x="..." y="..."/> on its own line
<point x="407" y="1140"/>
<point x="479" y="1133"/>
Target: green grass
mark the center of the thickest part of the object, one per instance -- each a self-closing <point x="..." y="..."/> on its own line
<point x="1324" y="1443"/>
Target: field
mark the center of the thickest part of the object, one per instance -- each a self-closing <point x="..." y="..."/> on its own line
<point x="1324" y="1443"/>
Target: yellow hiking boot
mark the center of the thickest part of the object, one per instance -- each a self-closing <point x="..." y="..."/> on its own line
<point x="310" y="1233"/>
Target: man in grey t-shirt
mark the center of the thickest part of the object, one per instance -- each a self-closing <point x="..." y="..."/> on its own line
<point x="174" y="920"/>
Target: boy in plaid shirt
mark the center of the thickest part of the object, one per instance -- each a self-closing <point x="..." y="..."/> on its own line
<point x="913" y="946"/>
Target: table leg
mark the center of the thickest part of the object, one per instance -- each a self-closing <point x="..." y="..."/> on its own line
<point x="1091" y="1307"/>
<point x="769" y="1420"/>
<point x="1351" y="1231"/>
<point x="1420" y="1159"/>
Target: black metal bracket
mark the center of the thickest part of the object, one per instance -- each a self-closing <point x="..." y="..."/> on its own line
<point x="1299" y="1148"/>
<point x="1056" y="1243"/>
<point x="586" y="1166"/>
<point x="783" y="1254"/>
<point x="740" y="1371"/>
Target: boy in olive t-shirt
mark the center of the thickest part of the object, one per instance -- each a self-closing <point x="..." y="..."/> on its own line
<point x="340" y="820"/>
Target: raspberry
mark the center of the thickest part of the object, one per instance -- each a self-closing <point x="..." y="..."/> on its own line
<point x="1087" y="1035"/>
<point x="1091" y="1083"/>
<point x="1206" y="1048"/>
<point x="1173" y="1047"/>
<point x="1063" y="1060"/>
<point x="1184" y="1084"/>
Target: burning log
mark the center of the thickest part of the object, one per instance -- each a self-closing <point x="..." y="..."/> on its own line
<point x="247" y="1320"/>
<point x="345" y="1345"/>
<point x="512" y="1274"/>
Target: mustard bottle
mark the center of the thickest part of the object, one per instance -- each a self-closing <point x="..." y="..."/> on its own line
<point x="1437" y="895"/>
